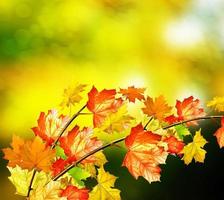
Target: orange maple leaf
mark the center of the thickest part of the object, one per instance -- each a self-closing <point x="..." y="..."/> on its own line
<point x="187" y="109"/>
<point x="175" y="146"/>
<point x="220" y="134"/>
<point x="133" y="93"/>
<point x="50" y="126"/>
<point x="157" y="108"/>
<point x="79" y="143"/>
<point x="144" y="154"/>
<point x="29" y="154"/>
<point x="73" y="193"/>
<point x="101" y="104"/>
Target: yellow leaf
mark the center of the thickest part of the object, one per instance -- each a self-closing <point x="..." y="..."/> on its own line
<point x="194" y="149"/>
<point x="50" y="192"/>
<point x="118" y="121"/>
<point x="217" y="103"/>
<point x="104" y="189"/>
<point x="21" y="178"/>
<point x="72" y="95"/>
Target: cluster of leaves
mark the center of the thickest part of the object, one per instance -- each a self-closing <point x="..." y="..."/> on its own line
<point x="57" y="161"/>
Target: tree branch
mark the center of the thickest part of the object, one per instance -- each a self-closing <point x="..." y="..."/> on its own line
<point x="66" y="126"/>
<point x="123" y="138"/>
<point x="31" y="183"/>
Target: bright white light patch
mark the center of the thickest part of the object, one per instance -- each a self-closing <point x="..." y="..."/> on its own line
<point x="185" y="33"/>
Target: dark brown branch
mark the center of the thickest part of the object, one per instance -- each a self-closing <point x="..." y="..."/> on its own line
<point x="66" y="126"/>
<point x="122" y="139"/>
<point x="31" y="183"/>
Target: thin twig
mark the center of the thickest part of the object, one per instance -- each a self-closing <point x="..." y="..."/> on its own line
<point x="145" y="127"/>
<point x="122" y="139"/>
<point x="194" y="119"/>
<point x="31" y="183"/>
<point x="66" y="126"/>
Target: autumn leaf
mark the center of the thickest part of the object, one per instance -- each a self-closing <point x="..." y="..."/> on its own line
<point x="175" y="146"/>
<point x="182" y="131"/>
<point x="29" y="154"/>
<point x="220" y="134"/>
<point x="217" y="103"/>
<point x="73" y="193"/>
<point x="50" y="126"/>
<point x="105" y="190"/>
<point x="100" y="160"/>
<point x="79" y="174"/>
<point x="144" y="154"/>
<point x="132" y="93"/>
<point x="194" y="149"/>
<point x="51" y="191"/>
<point x="187" y="109"/>
<point x="157" y="108"/>
<point x="101" y="104"/>
<point x="72" y="95"/>
<point x="118" y="121"/>
<point x="78" y="143"/>
<point x="21" y="178"/>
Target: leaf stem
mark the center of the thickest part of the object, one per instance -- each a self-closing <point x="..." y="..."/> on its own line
<point x="66" y="126"/>
<point x="31" y="183"/>
<point x="123" y="138"/>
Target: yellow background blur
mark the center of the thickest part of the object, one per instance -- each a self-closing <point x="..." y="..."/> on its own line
<point x="172" y="47"/>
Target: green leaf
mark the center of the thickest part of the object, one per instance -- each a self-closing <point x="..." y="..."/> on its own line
<point x="182" y="131"/>
<point x="79" y="175"/>
<point x="60" y="152"/>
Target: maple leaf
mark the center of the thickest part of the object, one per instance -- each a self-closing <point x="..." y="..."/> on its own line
<point x="182" y="131"/>
<point x="76" y="145"/>
<point x="50" y="126"/>
<point x="144" y="154"/>
<point x="174" y="146"/>
<point x="217" y="103"/>
<point x="194" y="149"/>
<point x="157" y="108"/>
<point x="132" y="93"/>
<point x="72" y="95"/>
<point x="50" y="192"/>
<point x="187" y="109"/>
<point x="73" y="193"/>
<point x="101" y="104"/>
<point x="59" y="165"/>
<point x="104" y="189"/>
<point x="29" y="154"/>
<point x="220" y="134"/>
<point x="21" y="178"/>
<point x="117" y="122"/>
<point x="79" y="174"/>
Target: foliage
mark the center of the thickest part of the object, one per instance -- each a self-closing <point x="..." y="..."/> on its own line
<point x="57" y="161"/>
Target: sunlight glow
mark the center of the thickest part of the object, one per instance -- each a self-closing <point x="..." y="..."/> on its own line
<point x="185" y="33"/>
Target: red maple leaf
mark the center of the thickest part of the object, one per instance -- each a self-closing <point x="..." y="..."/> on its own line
<point x="220" y="134"/>
<point x="187" y="109"/>
<point x="101" y="104"/>
<point x="174" y="146"/>
<point x="133" y="93"/>
<point x="144" y="155"/>
<point x="73" y="193"/>
<point x="50" y="126"/>
<point x="79" y="143"/>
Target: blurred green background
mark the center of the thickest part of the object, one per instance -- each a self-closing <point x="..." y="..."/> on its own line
<point x="172" y="47"/>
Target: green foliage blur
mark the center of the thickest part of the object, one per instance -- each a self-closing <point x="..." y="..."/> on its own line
<point x="172" y="47"/>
